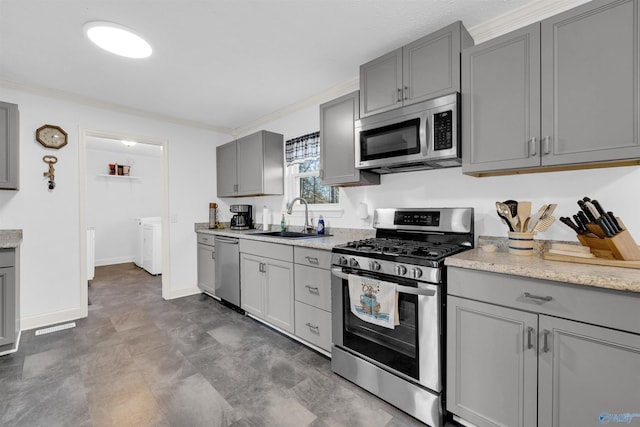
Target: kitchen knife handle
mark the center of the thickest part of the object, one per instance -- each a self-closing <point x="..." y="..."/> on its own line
<point x="604" y="225"/>
<point x="614" y="220"/>
<point x="568" y="222"/>
<point x="582" y="229"/>
<point x="596" y="204"/>
<point x="586" y="211"/>
<point x="583" y="218"/>
<point x="531" y="146"/>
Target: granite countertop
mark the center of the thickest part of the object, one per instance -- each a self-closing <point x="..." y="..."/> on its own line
<point x="10" y="238"/>
<point x="500" y="261"/>
<point x="338" y="236"/>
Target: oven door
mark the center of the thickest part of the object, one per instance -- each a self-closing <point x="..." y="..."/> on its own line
<point x="412" y="349"/>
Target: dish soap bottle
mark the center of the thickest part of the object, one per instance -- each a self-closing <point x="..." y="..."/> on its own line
<point x="283" y="224"/>
<point x="320" y="225"/>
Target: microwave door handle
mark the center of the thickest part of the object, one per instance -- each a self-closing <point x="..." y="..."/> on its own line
<point x="424" y="134"/>
<point x="400" y="288"/>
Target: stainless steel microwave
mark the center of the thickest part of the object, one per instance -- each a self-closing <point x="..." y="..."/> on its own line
<point x="419" y="136"/>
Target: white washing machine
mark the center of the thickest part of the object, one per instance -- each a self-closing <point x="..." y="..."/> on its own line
<point x="149" y="244"/>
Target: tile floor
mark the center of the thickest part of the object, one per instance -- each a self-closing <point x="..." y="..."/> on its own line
<point x="138" y="360"/>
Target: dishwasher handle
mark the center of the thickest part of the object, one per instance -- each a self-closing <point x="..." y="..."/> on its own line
<point x="230" y="240"/>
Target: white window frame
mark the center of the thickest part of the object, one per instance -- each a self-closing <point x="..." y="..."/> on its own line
<point x="292" y="190"/>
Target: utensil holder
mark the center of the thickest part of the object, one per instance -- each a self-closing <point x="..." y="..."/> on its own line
<point x="521" y="243"/>
<point x="621" y="246"/>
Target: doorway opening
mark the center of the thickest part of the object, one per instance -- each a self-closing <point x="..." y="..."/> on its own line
<point x="120" y="185"/>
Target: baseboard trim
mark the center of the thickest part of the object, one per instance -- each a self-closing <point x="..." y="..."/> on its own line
<point x="182" y="292"/>
<point x="112" y="261"/>
<point x="48" y="319"/>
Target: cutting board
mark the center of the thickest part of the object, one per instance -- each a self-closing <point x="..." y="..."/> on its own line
<point x="596" y="261"/>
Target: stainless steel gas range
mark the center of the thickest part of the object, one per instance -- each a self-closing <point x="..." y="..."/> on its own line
<point x="402" y="364"/>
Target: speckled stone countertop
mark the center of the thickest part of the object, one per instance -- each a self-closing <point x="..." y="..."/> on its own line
<point x="338" y="236"/>
<point x="10" y="238"/>
<point x="500" y="261"/>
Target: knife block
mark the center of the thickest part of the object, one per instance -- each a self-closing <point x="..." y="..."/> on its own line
<point x="621" y="246"/>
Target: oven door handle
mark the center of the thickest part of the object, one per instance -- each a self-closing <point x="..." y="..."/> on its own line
<point x="400" y="288"/>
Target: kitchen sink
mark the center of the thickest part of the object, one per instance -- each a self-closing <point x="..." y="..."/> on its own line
<point x="291" y="234"/>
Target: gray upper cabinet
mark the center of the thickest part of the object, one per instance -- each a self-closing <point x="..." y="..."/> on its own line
<point x="9" y="146"/>
<point x="555" y="94"/>
<point x="501" y="102"/>
<point x="337" y="139"/>
<point x="250" y="166"/>
<point x="424" y="69"/>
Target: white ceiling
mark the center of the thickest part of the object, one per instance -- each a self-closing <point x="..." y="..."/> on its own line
<point x="221" y="64"/>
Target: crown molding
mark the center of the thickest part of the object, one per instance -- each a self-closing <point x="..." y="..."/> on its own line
<point x="324" y="96"/>
<point x="522" y="16"/>
<point x="92" y="102"/>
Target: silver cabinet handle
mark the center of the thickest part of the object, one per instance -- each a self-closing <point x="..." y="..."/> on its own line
<point x="262" y="267"/>
<point x="529" y="337"/>
<point x="313" y="327"/>
<point x="546" y="144"/>
<point x="312" y="260"/>
<point x="213" y="255"/>
<point x="532" y="143"/>
<point x="536" y="297"/>
<point x="399" y="95"/>
<point x="321" y="173"/>
<point x="406" y="92"/>
<point x="312" y="289"/>
<point x="235" y="187"/>
<point x="545" y="340"/>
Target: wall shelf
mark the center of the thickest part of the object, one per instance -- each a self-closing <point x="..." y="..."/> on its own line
<point x="106" y="175"/>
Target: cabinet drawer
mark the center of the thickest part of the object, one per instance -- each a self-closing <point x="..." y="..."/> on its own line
<point x="313" y="325"/>
<point x="206" y="239"/>
<point x="266" y="249"/>
<point x="7" y="257"/>
<point x="312" y="257"/>
<point x="313" y="286"/>
<point x="614" y="309"/>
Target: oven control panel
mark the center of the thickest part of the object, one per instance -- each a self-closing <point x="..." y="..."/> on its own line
<point x="390" y="268"/>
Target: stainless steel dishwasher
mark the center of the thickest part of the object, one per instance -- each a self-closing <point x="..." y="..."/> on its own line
<point x="228" y="270"/>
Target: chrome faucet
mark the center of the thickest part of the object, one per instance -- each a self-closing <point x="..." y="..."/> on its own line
<point x="308" y="228"/>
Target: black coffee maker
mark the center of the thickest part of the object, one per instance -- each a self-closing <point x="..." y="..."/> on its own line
<point x="243" y="218"/>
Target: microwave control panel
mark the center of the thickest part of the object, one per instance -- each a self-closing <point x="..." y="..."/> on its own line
<point x="443" y="130"/>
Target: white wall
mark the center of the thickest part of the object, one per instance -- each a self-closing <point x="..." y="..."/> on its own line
<point x="114" y="202"/>
<point x="50" y="254"/>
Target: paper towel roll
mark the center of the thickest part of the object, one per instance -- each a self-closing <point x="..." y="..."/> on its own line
<point x="265" y="219"/>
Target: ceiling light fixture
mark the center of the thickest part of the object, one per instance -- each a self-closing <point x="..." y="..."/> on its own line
<point x="117" y="39"/>
<point x="128" y="143"/>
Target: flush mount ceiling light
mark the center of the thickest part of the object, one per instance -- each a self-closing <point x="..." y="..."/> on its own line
<point x="128" y="143"/>
<point x="117" y="39"/>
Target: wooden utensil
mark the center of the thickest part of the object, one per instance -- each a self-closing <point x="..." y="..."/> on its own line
<point x="524" y="212"/>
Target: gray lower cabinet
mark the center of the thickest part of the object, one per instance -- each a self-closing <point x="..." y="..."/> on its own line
<point x="206" y="263"/>
<point x="9" y="146"/>
<point x="250" y="166"/>
<point x="313" y="296"/>
<point x="9" y="300"/>
<point x="337" y="143"/>
<point x="426" y="68"/>
<point x="266" y="282"/>
<point x="555" y="93"/>
<point x="526" y="352"/>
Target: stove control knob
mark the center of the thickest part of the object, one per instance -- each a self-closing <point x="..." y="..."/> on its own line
<point x="374" y="266"/>
<point x="353" y="262"/>
<point x="342" y="260"/>
<point x="416" y="273"/>
<point x="400" y="270"/>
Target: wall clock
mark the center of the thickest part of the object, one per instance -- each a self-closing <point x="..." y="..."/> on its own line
<point x="51" y="136"/>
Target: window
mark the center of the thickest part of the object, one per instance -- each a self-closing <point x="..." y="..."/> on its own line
<point x="306" y="183"/>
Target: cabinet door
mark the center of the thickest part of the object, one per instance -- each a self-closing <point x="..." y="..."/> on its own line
<point x="431" y="65"/>
<point x="226" y="160"/>
<point x="338" y="144"/>
<point x="9" y="146"/>
<point x="7" y="306"/>
<point x="252" y="284"/>
<point x="279" y="294"/>
<point x="381" y="84"/>
<point x="586" y="372"/>
<point x="207" y="268"/>
<point x="590" y="83"/>
<point x="501" y="102"/>
<point x="250" y="164"/>
<point x="491" y="364"/>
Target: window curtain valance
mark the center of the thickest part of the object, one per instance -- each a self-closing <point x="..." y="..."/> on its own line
<point x="303" y="148"/>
